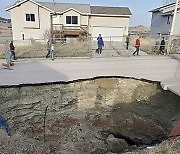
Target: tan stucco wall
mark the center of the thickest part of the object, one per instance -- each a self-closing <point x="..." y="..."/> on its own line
<point x="33" y="30"/>
<point x="109" y="21"/>
<point x="30" y="8"/>
<point x="84" y="20"/>
<point x="56" y="19"/>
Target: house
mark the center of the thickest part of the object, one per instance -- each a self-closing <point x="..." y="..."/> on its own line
<point x="162" y="20"/>
<point x="32" y="19"/>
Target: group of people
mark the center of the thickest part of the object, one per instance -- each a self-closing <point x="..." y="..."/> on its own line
<point x="138" y="44"/>
<point x="100" y="43"/>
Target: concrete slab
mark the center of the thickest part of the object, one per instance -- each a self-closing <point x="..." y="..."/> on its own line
<point x="175" y="89"/>
<point x="114" y="49"/>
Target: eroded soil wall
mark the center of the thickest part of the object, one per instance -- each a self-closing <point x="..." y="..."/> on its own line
<point x="81" y="115"/>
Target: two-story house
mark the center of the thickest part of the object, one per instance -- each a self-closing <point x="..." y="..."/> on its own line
<point x="32" y="19"/>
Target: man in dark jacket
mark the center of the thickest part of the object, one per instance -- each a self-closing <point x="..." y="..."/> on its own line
<point x="127" y="41"/>
<point x="12" y="49"/>
<point x="162" y="46"/>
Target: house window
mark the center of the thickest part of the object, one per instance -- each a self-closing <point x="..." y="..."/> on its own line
<point x="74" y="20"/>
<point x="71" y="20"/>
<point x="68" y="19"/>
<point x="168" y="20"/>
<point x="30" y="17"/>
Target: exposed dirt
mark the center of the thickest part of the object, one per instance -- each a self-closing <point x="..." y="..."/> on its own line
<point x="96" y="116"/>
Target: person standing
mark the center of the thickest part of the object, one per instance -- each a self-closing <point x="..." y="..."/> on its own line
<point x="48" y="49"/>
<point x="100" y="45"/>
<point x="137" y="46"/>
<point x="127" y="41"/>
<point x="162" y="46"/>
<point x="7" y="54"/>
<point x="12" y="50"/>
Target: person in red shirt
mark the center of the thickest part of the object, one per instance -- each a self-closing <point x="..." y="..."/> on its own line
<point x="137" y="45"/>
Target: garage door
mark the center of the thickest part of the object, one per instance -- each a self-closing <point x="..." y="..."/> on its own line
<point x="108" y="33"/>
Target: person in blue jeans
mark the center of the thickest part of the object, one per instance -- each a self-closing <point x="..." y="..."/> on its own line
<point x="100" y="44"/>
<point x="12" y="49"/>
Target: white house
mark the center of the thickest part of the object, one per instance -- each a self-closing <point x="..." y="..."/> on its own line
<point x="32" y="19"/>
<point x="162" y="20"/>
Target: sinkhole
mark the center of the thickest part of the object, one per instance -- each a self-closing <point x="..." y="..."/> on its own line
<point x="103" y="114"/>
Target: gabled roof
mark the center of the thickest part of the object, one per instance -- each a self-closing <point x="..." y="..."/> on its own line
<point x="81" y="8"/>
<point x="62" y="7"/>
<point x="18" y="3"/>
<point x="159" y="9"/>
<point x="110" y="10"/>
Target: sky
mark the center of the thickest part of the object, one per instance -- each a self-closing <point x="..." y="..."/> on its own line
<point x="139" y="8"/>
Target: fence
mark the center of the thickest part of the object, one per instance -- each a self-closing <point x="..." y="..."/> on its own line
<point x="151" y="44"/>
<point x="69" y="47"/>
<point x="86" y="46"/>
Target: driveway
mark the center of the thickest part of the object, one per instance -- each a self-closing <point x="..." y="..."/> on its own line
<point x="114" y="49"/>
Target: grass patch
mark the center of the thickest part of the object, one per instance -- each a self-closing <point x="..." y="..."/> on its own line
<point x="148" y="45"/>
<point x="73" y="48"/>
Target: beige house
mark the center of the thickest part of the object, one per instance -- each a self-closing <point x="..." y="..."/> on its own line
<point x="32" y="19"/>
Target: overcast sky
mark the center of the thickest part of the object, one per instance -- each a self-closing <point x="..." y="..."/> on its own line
<point x="139" y="8"/>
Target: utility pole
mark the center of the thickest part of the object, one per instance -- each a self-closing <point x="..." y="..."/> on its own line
<point x="172" y="26"/>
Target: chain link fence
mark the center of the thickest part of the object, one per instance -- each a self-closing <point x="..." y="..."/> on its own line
<point x="60" y="47"/>
<point x="86" y="46"/>
<point x="151" y="44"/>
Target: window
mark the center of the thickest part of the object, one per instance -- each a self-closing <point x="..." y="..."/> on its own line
<point x="68" y="19"/>
<point x="168" y="20"/>
<point x="71" y="20"/>
<point x="30" y="17"/>
<point x="74" y="20"/>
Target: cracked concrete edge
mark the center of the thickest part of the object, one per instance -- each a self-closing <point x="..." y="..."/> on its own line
<point x="173" y="87"/>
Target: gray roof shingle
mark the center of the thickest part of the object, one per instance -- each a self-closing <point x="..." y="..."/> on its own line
<point x="110" y="10"/>
<point x="61" y="7"/>
<point x="159" y="8"/>
<point x="86" y="8"/>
